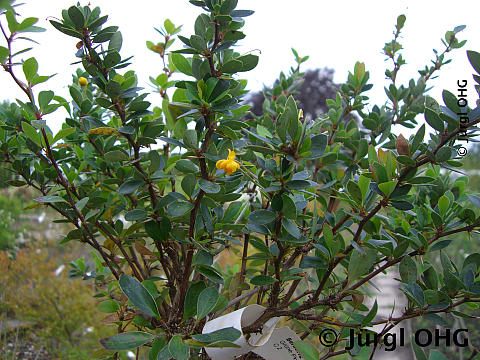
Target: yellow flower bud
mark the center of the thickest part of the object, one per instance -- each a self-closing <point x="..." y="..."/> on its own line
<point x="103" y="130"/>
<point x="230" y="165"/>
<point x="82" y="81"/>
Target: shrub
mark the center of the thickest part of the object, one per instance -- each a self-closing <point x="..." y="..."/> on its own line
<point x="318" y="207"/>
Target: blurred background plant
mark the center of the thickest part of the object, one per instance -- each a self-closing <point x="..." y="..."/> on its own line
<point x="49" y="309"/>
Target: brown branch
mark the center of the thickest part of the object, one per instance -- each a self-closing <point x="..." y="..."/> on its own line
<point x="243" y="268"/>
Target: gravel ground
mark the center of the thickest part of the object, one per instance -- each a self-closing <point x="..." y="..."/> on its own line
<point x="25" y="350"/>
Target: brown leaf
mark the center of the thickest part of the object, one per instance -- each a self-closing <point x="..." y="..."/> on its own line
<point x="357" y="299"/>
<point x="401" y="145"/>
<point x="110" y="319"/>
<point x="142" y="249"/>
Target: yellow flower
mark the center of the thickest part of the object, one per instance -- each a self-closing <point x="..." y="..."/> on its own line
<point x="230" y="165"/>
<point x="82" y="81"/>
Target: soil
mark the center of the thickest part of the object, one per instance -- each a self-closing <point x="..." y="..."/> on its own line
<point x="25" y="350"/>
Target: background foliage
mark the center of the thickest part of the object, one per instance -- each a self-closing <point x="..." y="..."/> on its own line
<point x="315" y="207"/>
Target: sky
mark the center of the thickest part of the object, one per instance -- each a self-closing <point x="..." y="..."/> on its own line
<point x="335" y="34"/>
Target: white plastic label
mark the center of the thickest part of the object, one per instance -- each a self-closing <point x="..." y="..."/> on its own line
<point x="270" y="343"/>
<point x="280" y="346"/>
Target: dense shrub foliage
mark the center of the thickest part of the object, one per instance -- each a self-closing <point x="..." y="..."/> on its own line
<point x="312" y="209"/>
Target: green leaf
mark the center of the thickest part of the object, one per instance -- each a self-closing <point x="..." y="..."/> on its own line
<point x="44" y="98"/>
<point x="289" y="209"/>
<point x="474" y="58"/>
<point x="198" y="42"/>
<point x="444" y="154"/>
<point x="419" y="353"/>
<point x="364" y="185"/>
<point x="472" y="259"/>
<point x="261" y="280"/>
<point x="206" y="301"/>
<point x="210" y="273"/>
<point x="220" y="90"/>
<point x="436" y="355"/>
<point x="12" y="22"/>
<point x="298" y="184"/>
<point x="115" y="43"/>
<point x="138" y="295"/>
<point x="77" y="18"/>
<point x="432" y="118"/>
<point x="3" y="54"/>
<point x="158" y="229"/>
<point x="430" y="279"/>
<point x="190" y="138"/>
<point x="31" y="133"/>
<point x="117" y="155"/>
<point x="30" y="68"/>
<point x="249" y="62"/>
<point x="130" y="186"/>
<point x="263" y="131"/>
<point x="232" y="66"/>
<point x="328" y="235"/>
<point x="112" y="59"/>
<point x="371" y="314"/>
<point x="156" y="161"/>
<point x="182" y="64"/>
<point x="354" y="191"/>
<point x="135" y="215"/>
<point x="50" y="199"/>
<point x="388" y="187"/>
<point x="318" y="146"/>
<point x="63" y="134"/>
<point x="18" y="183"/>
<point x="291" y="228"/>
<point x="169" y="26"/>
<point x="414" y="293"/>
<point x="128" y="130"/>
<point x="208" y="186"/>
<point x="228" y="6"/>
<point x="360" y="263"/>
<point x="443" y="204"/>
<point x="127" y="340"/>
<point x="211" y="84"/>
<point x="178" y="349"/>
<point x="179" y="208"/>
<point x="408" y="270"/>
<point x="261" y="217"/>
<point x="80" y="204"/>
<point x="164" y="354"/>
<point x="191" y="299"/>
<point x="186" y="166"/>
<point x="450" y="101"/>
<point x="241" y="13"/>
<point x="227" y="334"/>
<point x="418" y="138"/>
<point x="421" y="180"/>
<point x="223" y="344"/>
<point x="405" y="160"/>
<point x="439" y="245"/>
<point x="402" y="205"/>
<point x="108" y="306"/>
<point x="401" y="21"/>
<point x="307" y="350"/>
<point x="188" y="184"/>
